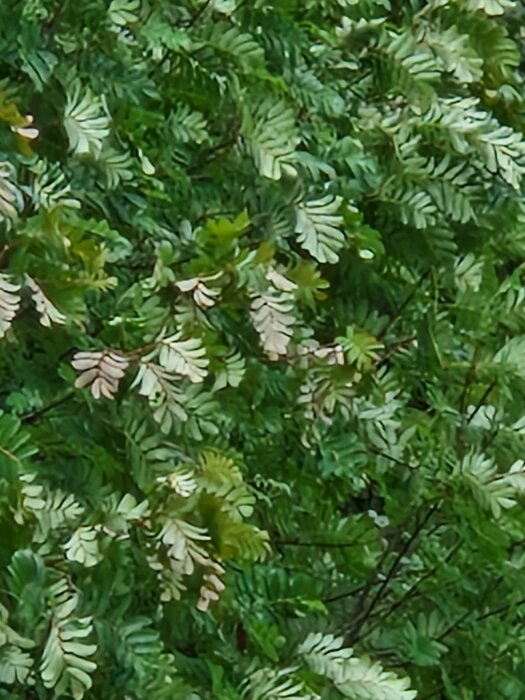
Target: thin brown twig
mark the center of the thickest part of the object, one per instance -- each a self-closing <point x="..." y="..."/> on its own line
<point x="502" y="609"/>
<point x="469" y="377"/>
<point x="34" y="415"/>
<point x="404" y="304"/>
<point x="202" y="9"/>
<point x="325" y="545"/>
<point x="408" y="595"/>
<point x="341" y="596"/>
<point x="369" y="585"/>
<point x="394" y="348"/>
<point x="466" y="614"/>
<point x="482" y="400"/>
<point x="353" y="633"/>
<point x="395" y="460"/>
<point x="490" y="613"/>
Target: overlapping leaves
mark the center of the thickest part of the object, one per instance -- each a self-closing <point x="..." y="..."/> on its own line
<point x="280" y="245"/>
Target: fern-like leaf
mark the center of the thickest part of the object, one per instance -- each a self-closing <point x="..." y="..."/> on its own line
<point x="269" y="684"/>
<point x="212" y="586"/>
<point x="123" y="12"/>
<point x="66" y="664"/>
<point x="355" y="678"/>
<point x="82" y="547"/>
<point x="10" y="195"/>
<point x="47" y="311"/>
<point x="102" y="371"/>
<point x="272" y="315"/>
<point x="318" y="228"/>
<point x="85" y="121"/>
<point x="9" y="303"/>
<point x="188" y="126"/>
<point x="184" y="356"/>
<point x="270" y="135"/>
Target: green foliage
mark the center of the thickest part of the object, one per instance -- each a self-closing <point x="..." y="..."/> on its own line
<point x="354" y="678"/>
<point x="261" y="315"/>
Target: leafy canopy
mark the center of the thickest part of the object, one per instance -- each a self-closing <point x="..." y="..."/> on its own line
<point x="262" y="320"/>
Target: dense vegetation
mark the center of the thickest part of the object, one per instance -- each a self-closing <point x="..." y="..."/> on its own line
<point x="263" y="349"/>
